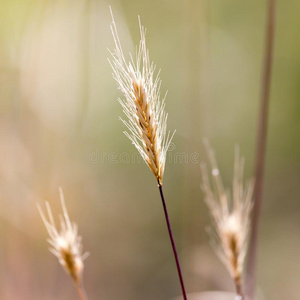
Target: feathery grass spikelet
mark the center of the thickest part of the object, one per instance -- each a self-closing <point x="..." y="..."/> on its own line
<point x="147" y="119"/>
<point x="230" y="215"/>
<point x="66" y="244"/>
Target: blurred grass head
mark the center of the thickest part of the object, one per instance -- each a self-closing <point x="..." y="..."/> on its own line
<point x="230" y="214"/>
<point x="66" y="243"/>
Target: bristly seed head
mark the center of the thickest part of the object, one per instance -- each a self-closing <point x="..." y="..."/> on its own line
<point x="145" y="111"/>
<point x="231" y="217"/>
<point x="66" y="244"/>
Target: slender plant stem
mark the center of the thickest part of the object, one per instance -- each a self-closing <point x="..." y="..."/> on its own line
<point x="81" y="291"/>
<point x="238" y="287"/>
<point x="172" y="240"/>
<point x="85" y="61"/>
<point x="261" y="146"/>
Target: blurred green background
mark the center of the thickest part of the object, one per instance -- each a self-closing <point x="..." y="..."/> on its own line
<point x="59" y="127"/>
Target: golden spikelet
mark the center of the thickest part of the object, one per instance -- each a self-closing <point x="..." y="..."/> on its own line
<point x="66" y="244"/>
<point x="145" y="111"/>
<point x="230" y="215"/>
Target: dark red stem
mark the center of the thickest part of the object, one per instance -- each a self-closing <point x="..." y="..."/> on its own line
<point x="261" y="147"/>
<point x="172" y="241"/>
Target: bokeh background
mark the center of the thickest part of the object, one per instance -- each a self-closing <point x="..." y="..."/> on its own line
<point x="59" y="127"/>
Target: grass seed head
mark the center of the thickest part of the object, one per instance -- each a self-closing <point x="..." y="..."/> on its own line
<point x="66" y="243"/>
<point x="230" y="214"/>
<point x="146" y="119"/>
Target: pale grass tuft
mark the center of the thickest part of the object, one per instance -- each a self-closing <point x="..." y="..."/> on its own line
<point x="230" y="215"/>
<point x="66" y="243"/>
<point x="145" y="111"/>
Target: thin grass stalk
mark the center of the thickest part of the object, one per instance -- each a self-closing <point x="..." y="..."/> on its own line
<point x="85" y="62"/>
<point x="238" y="289"/>
<point x="172" y="241"/>
<point x="261" y="146"/>
<point x="81" y="291"/>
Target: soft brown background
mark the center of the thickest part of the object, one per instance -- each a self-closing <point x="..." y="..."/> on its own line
<point x="59" y="116"/>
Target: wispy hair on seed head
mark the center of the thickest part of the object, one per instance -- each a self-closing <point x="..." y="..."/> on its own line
<point x="230" y="214"/>
<point x="142" y="104"/>
<point x="66" y="243"/>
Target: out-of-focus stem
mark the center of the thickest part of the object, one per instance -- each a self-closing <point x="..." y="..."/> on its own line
<point x="172" y="240"/>
<point x="261" y="147"/>
<point x="238" y="287"/>
<point x="81" y="291"/>
<point x="85" y="61"/>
